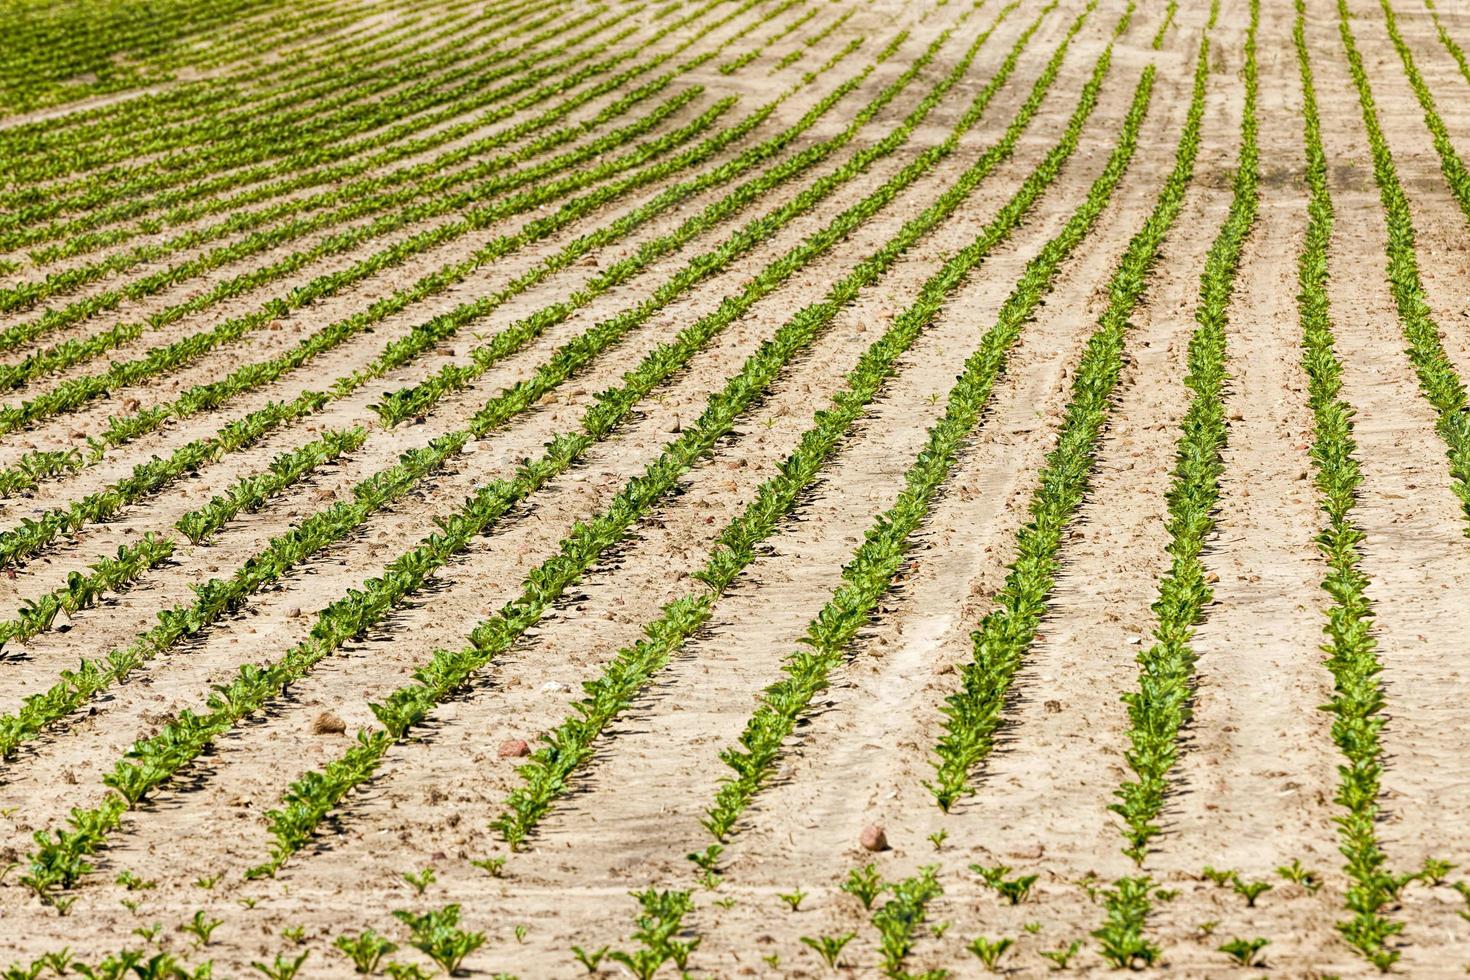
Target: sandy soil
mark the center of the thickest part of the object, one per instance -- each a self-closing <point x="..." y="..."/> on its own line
<point x="1257" y="779"/>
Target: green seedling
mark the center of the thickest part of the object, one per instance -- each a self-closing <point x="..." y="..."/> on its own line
<point x="437" y="935"/>
<point x="1061" y="957"/>
<point x="1434" y="871"/>
<point x="589" y="960"/>
<point x="792" y="899"/>
<point x="133" y="883"/>
<point x="990" y="950"/>
<point x="366" y="949"/>
<point x="1221" y="878"/>
<point x="1245" y="952"/>
<point x="1298" y="874"/>
<point x="1251" y="890"/>
<point x="864" y="884"/>
<point x="829" y="948"/>
<point x="420" y="881"/>
<point x="494" y="867"/>
<point x="282" y="967"/>
<point x="201" y="928"/>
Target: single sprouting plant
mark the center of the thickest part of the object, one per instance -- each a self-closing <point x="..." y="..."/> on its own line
<point x="420" y="881"/>
<point x="991" y="876"/>
<point x="247" y="903"/>
<point x="1221" y="878"/>
<point x="494" y="867"/>
<point x="990" y="950"/>
<point x="282" y="968"/>
<point x="437" y="935"/>
<point x="792" y="899"/>
<point x="829" y="948"/>
<point x="149" y="933"/>
<point x="405" y="971"/>
<point x="938" y="929"/>
<point x="1299" y="874"/>
<point x="366" y="950"/>
<point x="708" y="859"/>
<point x="201" y="928"/>
<point x="864" y="884"/>
<point x="133" y="883"/>
<point x="57" y="961"/>
<point x="1031" y="928"/>
<point x="938" y="838"/>
<point x="1208" y="927"/>
<point x="1165" y="894"/>
<point x="208" y="881"/>
<point x="1434" y="871"/>
<point x="297" y="934"/>
<point x="728" y="902"/>
<point x="1246" y="952"/>
<point x="1015" y="890"/>
<point x="590" y="960"/>
<point x="520" y="932"/>
<point x="1061" y="957"/>
<point x="772" y="960"/>
<point x="131" y="904"/>
<point x="1251" y="890"/>
<point x="61" y="903"/>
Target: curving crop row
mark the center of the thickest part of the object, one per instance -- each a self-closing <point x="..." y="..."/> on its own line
<point x="295" y="170"/>
<point x="342" y="78"/>
<point x="1161" y="705"/>
<point x="80" y="349"/>
<point x="132" y="184"/>
<point x="1005" y="634"/>
<point x="1450" y="45"/>
<point x="71" y="394"/>
<point x="570" y="745"/>
<point x="60" y="859"/>
<point x="411" y="402"/>
<point x="195" y="202"/>
<point x="111" y="575"/>
<point x="746" y="57"/>
<point x="397" y="353"/>
<point x="217" y="597"/>
<point x="1357" y="703"/>
<point x="1439" y="382"/>
<point x="1449" y="160"/>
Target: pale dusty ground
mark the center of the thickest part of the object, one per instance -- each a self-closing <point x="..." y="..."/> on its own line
<point x="1255" y="784"/>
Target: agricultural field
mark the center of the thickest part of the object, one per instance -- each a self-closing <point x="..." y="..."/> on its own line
<point x="734" y="488"/>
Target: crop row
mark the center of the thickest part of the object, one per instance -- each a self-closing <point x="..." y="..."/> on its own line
<point x="128" y="190"/>
<point x="279" y="557"/>
<point x="110" y="575"/>
<point x="1159" y="708"/>
<point x="322" y="82"/>
<point x="1449" y="160"/>
<point x="29" y="538"/>
<point x="81" y="349"/>
<point x="869" y="574"/>
<point x="1006" y="633"/>
<point x="60" y="861"/>
<point x="314" y="795"/>
<point x="306" y="168"/>
<point x="750" y="54"/>
<point x="1439" y="382"/>
<point x="188" y="204"/>
<point x="364" y="196"/>
<point x="475" y="209"/>
<point x="1358" y="702"/>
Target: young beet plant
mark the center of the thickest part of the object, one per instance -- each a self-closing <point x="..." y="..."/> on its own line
<point x="437" y="935"/>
